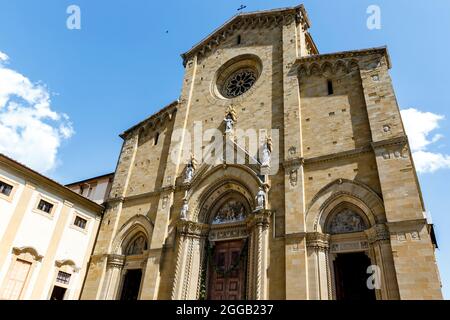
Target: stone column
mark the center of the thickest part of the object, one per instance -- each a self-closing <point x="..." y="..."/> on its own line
<point x="259" y="226"/>
<point x="379" y="239"/>
<point x="114" y="266"/>
<point x="191" y="241"/>
<point x="318" y="245"/>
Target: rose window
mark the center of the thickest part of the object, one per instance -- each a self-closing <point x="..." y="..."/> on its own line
<point x="238" y="83"/>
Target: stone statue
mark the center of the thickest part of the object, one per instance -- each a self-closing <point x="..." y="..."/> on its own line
<point x="230" y="119"/>
<point x="266" y="152"/>
<point x="184" y="210"/>
<point x="261" y="199"/>
<point x="190" y="169"/>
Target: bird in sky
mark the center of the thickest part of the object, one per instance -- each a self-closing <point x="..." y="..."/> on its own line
<point x="241" y="7"/>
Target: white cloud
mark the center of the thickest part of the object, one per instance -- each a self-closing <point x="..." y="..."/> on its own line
<point x="3" y="57"/>
<point x="30" y="131"/>
<point x="419" y="126"/>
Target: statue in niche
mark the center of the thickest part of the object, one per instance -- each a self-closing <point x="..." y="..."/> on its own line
<point x="230" y="119"/>
<point x="266" y="152"/>
<point x="184" y="210"/>
<point x="137" y="246"/>
<point x="261" y="199"/>
<point x="232" y="211"/>
<point x="190" y="169"/>
<point x="346" y="221"/>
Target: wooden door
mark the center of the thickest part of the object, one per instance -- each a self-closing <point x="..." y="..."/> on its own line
<point x="226" y="283"/>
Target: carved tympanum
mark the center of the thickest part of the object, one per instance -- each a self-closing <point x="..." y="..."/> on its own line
<point x="346" y="221"/>
<point x="232" y="211"/>
<point x="137" y="246"/>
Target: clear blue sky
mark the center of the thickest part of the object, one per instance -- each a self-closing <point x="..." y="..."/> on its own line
<point x="122" y="66"/>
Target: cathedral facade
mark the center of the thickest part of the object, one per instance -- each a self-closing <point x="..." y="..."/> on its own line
<point x="320" y="199"/>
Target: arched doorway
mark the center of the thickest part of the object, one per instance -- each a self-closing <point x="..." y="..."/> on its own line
<point x="132" y="270"/>
<point x="226" y="260"/>
<point x="350" y="255"/>
<point x="222" y="244"/>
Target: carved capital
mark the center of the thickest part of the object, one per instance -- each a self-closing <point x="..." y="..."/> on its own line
<point x="260" y="218"/>
<point x="192" y="229"/>
<point x="318" y="240"/>
<point x="115" y="261"/>
<point x="378" y="232"/>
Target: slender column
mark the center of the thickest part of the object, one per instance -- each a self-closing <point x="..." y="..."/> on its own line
<point x="192" y="237"/>
<point x="379" y="238"/>
<point x="319" y="244"/>
<point x="260" y="226"/>
<point x="114" y="268"/>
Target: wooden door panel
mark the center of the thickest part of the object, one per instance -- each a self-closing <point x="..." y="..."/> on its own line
<point x="230" y="286"/>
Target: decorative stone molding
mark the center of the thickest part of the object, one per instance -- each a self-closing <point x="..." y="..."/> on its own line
<point x="318" y="240"/>
<point x="349" y="246"/>
<point x="310" y="61"/>
<point x="228" y="233"/>
<point x="61" y="263"/>
<point x="378" y="232"/>
<point x="192" y="229"/>
<point x="260" y="218"/>
<point x="293" y="163"/>
<point x="115" y="261"/>
<point x="398" y="141"/>
<point x="252" y="20"/>
<point x="24" y="250"/>
<point x="339" y="155"/>
<point x="154" y="120"/>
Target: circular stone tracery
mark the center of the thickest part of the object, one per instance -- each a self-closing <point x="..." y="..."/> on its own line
<point x="238" y="83"/>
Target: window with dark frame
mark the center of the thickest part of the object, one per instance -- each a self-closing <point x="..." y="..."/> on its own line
<point x="5" y="188"/>
<point x="239" y="39"/>
<point x="330" y="87"/>
<point x="63" y="277"/>
<point x="80" y="222"/>
<point x="45" y="206"/>
<point x="156" y="138"/>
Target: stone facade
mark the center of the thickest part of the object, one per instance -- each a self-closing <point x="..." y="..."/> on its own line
<point x="341" y="146"/>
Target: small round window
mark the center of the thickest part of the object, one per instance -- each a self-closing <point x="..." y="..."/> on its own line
<point x="238" y="83"/>
<point x="237" y="76"/>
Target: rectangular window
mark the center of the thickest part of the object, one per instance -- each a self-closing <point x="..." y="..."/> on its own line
<point x="63" y="277"/>
<point x="5" y="188"/>
<point x="80" y="222"/>
<point x="330" y="87"/>
<point x="45" y="206"/>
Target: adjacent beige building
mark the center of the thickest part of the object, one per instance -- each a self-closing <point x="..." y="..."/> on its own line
<point x="47" y="234"/>
<point x="96" y="189"/>
<point x="331" y="209"/>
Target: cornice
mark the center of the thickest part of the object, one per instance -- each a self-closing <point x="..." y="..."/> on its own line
<point x="293" y="162"/>
<point x="151" y="121"/>
<point x="389" y="142"/>
<point x="345" y="55"/>
<point x="338" y="155"/>
<point x="247" y="20"/>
